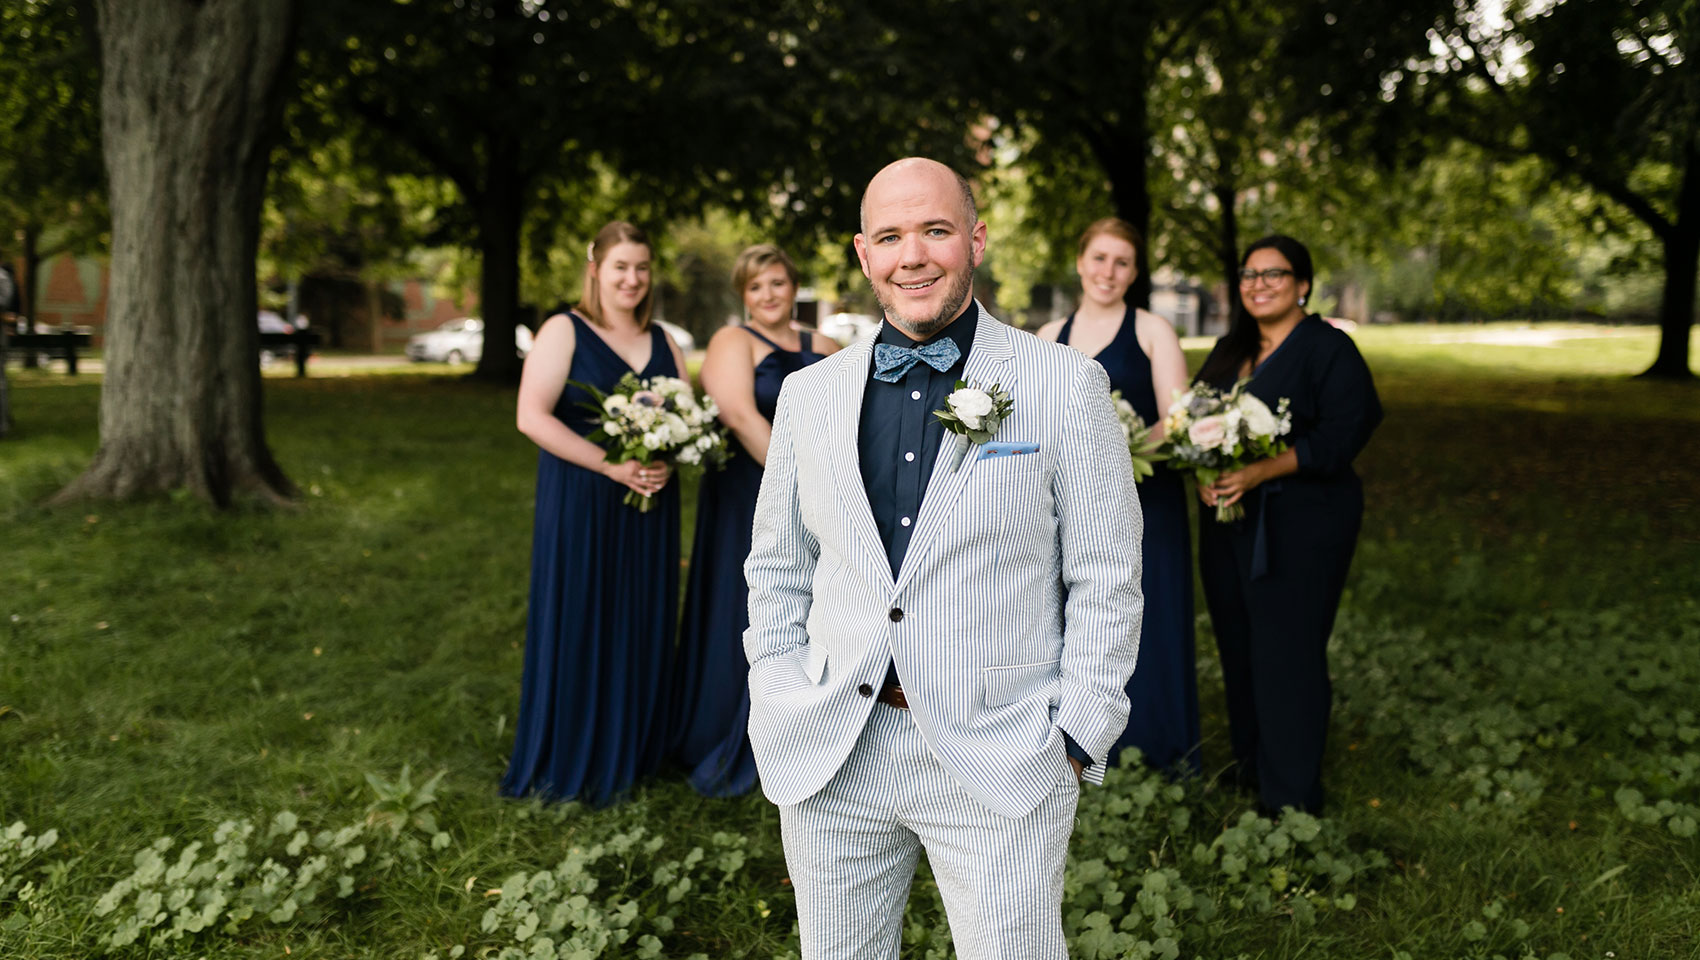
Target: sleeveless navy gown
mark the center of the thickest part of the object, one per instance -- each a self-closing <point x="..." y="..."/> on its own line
<point x="599" y="630"/>
<point x="1163" y="690"/>
<point x="712" y="699"/>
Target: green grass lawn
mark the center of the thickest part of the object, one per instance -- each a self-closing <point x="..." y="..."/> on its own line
<point x="1514" y="767"/>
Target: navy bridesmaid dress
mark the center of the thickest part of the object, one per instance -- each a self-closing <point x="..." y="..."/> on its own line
<point x="712" y="700"/>
<point x="1163" y="690"/>
<point x="599" y="631"/>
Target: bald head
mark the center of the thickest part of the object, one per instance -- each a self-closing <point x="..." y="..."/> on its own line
<point x="919" y="173"/>
<point x="920" y="242"/>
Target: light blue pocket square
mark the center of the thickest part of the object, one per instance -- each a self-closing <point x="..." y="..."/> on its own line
<point x="990" y="450"/>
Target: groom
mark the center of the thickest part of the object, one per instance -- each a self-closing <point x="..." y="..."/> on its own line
<point x="941" y="631"/>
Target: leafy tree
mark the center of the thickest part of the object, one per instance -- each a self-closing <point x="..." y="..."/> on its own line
<point x="775" y="111"/>
<point x="1080" y="76"/>
<point x="53" y="199"/>
<point x="1604" y="91"/>
<point x="189" y="104"/>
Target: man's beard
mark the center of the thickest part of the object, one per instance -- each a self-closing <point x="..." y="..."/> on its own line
<point x="922" y="329"/>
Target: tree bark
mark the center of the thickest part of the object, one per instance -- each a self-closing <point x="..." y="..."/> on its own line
<point x="30" y="260"/>
<point x="1127" y="165"/>
<point x="1676" y="308"/>
<point x="500" y="212"/>
<point x="189" y="102"/>
<point x="5" y="388"/>
<point x="1682" y="262"/>
<point x="1228" y="239"/>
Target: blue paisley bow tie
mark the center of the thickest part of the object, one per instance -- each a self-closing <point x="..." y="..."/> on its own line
<point x="891" y="362"/>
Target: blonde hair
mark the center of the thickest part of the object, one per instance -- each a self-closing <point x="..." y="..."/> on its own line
<point x="753" y="260"/>
<point x="590" y="305"/>
<point x="1115" y="227"/>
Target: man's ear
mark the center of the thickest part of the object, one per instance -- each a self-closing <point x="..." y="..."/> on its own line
<point x="861" y="244"/>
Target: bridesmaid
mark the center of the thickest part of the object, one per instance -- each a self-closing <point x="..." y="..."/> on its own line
<point x="604" y="577"/>
<point x="1142" y="355"/>
<point x="742" y="372"/>
<point x="1273" y="580"/>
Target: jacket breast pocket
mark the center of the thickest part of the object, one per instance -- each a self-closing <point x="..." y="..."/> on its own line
<point x="1018" y="682"/>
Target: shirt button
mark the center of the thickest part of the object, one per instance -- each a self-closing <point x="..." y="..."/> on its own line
<point x="865" y="690"/>
<point x="904" y="521"/>
<point x="896" y="614"/>
<point x="915" y="395"/>
<point x="909" y="456"/>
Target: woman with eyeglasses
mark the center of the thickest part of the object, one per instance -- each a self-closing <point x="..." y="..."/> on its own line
<point x="1272" y="580"/>
<point x="1142" y="355"/>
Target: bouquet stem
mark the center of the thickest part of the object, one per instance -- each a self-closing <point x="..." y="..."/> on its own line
<point x="1229" y="512"/>
<point x="642" y="502"/>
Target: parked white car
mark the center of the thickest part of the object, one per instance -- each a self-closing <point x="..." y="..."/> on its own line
<point x="680" y="336"/>
<point x="845" y="327"/>
<point x="459" y="341"/>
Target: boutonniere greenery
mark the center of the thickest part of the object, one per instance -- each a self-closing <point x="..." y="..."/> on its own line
<point x="974" y="413"/>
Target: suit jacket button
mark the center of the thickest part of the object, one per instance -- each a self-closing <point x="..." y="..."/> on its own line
<point x="865" y="690"/>
<point x="896" y="614"/>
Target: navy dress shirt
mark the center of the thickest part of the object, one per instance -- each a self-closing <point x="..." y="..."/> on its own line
<point x="898" y="441"/>
<point x="900" y="437"/>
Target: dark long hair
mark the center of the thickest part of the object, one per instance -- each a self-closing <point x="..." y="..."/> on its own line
<point x="1242" y="339"/>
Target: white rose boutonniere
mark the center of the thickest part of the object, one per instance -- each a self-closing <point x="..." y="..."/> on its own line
<point x="974" y="413"/>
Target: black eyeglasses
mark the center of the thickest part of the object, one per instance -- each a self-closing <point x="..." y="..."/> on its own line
<point x="1269" y="277"/>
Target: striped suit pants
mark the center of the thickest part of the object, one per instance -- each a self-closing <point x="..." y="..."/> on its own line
<point x="852" y="849"/>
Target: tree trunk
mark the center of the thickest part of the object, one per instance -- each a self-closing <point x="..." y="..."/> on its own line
<point x="1130" y="192"/>
<point x="499" y="216"/>
<point x="30" y="260"/>
<point x="1676" y="309"/>
<point x="1682" y="261"/>
<point x="5" y="388"/>
<point x="1228" y="241"/>
<point x="189" y="103"/>
<point x="1125" y="155"/>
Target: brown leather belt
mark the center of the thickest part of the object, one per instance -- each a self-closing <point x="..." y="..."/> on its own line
<point x="892" y="695"/>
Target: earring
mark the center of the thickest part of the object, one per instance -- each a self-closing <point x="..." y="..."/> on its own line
<point x="1303" y="298"/>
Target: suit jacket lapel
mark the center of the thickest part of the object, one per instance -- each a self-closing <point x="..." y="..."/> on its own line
<point x="843" y="444"/>
<point x="988" y="363"/>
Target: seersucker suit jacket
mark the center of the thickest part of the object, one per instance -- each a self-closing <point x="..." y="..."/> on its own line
<point x="1015" y="613"/>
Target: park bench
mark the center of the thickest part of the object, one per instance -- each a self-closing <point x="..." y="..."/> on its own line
<point x="59" y="343"/>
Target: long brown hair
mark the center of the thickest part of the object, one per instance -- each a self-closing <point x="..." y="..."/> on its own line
<point x="590" y="304"/>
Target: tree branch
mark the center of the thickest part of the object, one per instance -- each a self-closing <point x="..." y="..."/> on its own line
<point x="464" y="175"/>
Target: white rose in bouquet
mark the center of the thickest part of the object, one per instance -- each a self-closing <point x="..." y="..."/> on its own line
<point x="1259" y="419"/>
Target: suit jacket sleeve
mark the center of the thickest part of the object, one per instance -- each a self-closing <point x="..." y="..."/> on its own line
<point x="1099" y="530"/>
<point x="1348" y="411"/>
<point x="781" y="565"/>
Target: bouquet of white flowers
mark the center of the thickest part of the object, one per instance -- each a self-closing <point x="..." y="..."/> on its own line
<point x="1141" y="446"/>
<point x="1211" y="433"/>
<point x="661" y="418"/>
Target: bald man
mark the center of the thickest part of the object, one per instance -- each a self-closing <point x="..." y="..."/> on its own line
<point x="941" y="630"/>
